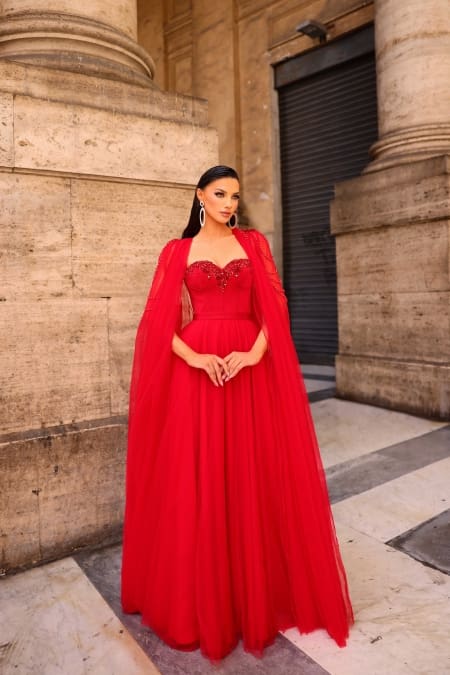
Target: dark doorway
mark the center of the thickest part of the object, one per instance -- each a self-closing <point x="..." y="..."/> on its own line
<point x="328" y="121"/>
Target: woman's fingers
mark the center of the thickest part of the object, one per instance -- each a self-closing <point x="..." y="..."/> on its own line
<point x="217" y="370"/>
<point x="235" y="363"/>
<point x="223" y="365"/>
<point x="217" y="373"/>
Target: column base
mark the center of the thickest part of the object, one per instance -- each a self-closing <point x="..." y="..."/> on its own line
<point x="411" y="145"/>
<point x="417" y="388"/>
<point x="76" y="44"/>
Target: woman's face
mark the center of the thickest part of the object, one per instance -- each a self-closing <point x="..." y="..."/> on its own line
<point x="221" y="198"/>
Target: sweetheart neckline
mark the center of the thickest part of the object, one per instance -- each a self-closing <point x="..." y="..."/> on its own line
<point x="215" y="265"/>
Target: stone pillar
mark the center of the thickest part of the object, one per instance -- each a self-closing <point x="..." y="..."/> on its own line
<point x="413" y="77"/>
<point x="391" y="224"/>
<point x="97" y="37"/>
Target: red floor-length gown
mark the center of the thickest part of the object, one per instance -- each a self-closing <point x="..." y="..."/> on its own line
<point x="228" y="528"/>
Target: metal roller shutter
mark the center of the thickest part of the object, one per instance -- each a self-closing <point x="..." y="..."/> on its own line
<point x="328" y="121"/>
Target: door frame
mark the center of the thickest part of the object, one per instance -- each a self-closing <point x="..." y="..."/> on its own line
<point x="352" y="45"/>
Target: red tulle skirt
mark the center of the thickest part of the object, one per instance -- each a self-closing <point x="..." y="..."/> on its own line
<point x="229" y="545"/>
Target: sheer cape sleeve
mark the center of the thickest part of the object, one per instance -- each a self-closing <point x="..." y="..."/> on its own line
<point x="298" y="448"/>
<point x="166" y="309"/>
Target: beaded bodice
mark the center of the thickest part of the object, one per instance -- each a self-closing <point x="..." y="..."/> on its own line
<point x="221" y="290"/>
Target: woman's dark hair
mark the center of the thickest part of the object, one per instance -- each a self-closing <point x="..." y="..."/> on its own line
<point x="214" y="173"/>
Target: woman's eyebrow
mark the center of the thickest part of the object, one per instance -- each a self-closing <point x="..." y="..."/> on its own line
<point x="223" y="190"/>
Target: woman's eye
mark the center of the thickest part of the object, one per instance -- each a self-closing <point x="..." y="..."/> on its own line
<point x="219" y="194"/>
<point x="235" y="196"/>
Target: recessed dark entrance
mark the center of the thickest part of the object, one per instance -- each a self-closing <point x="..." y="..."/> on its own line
<point x="328" y="121"/>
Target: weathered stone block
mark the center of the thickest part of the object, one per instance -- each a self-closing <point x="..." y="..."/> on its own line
<point x="123" y="318"/>
<point x="393" y="253"/>
<point x="414" y="258"/>
<point x="19" y="509"/>
<point x="407" y="326"/>
<point x="53" y="363"/>
<point x="61" y="490"/>
<point x="6" y="130"/>
<point x="118" y="232"/>
<point x="419" y="388"/>
<point x="406" y="194"/>
<point x="77" y="139"/>
<point x="35" y="246"/>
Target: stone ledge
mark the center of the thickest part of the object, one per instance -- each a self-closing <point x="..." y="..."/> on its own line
<point x="61" y="429"/>
<point x="97" y="92"/>
<point x="413" y="387"/>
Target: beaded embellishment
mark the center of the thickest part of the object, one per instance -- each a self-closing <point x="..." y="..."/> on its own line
<point x="221" y="274"/>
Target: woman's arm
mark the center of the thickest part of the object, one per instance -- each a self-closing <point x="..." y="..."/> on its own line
<point x="181" y="349"/>
<point x="259" y="346"/>
<point x="213" y="365"/>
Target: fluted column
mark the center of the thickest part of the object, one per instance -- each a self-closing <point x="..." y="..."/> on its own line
<point x="96" y="37"/>
<point x="413" y="73"/>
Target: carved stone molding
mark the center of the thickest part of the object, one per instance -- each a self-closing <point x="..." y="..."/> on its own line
<point x="411" y="145"/>
<point x="78" y="44"/>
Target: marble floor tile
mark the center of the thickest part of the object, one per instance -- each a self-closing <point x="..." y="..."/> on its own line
<point x="398" y="505"/>
<point x="402" y="614"/>
<point x="346" y="429"/>
<point x="54" y="622"/>
<point x="363" y="473"/>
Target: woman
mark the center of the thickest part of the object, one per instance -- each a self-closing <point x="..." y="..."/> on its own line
<point x="228" y="528"/>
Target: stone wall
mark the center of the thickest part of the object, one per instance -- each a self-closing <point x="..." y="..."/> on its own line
<point x="392" y="224"/>
<point x="393" y="251"/>
<point x="95" y="176"/>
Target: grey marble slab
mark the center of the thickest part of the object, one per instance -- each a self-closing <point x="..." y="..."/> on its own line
<point x="429" y="542"/>
<point x="367" y="471"/>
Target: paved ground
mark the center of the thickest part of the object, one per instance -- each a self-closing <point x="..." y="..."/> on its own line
<point x="389" y="480"/>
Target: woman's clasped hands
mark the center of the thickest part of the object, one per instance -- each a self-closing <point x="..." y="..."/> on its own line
<point x="220" y="370"/>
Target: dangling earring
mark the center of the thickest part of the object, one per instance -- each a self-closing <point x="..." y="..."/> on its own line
<point x="202" y="214"/>
<point x="235" y="221"/>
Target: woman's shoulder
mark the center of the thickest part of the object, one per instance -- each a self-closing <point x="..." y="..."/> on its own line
<point x="251" y="233"/>
<point x="256" y="236"/>
<point x="171" y="246"/>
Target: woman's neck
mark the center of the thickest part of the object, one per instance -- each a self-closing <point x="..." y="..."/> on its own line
<point x="213" y="230"/>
